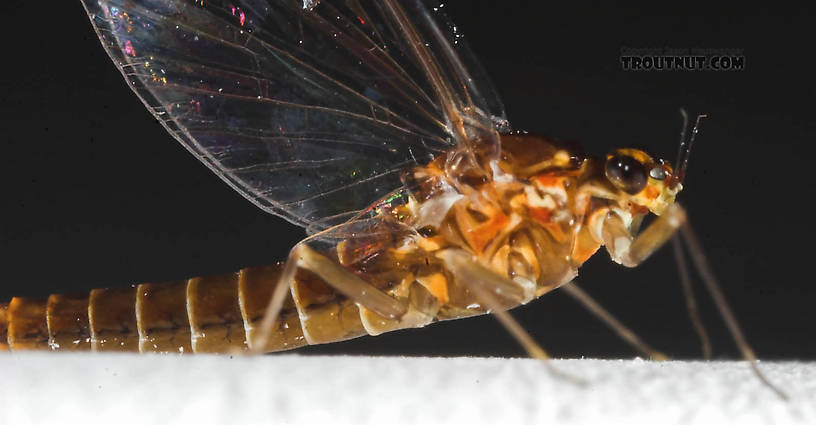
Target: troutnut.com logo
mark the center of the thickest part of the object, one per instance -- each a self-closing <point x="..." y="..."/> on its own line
<point x="681" y="59"/>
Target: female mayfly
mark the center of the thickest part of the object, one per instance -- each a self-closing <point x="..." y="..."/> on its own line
<point x="370" y="124"/>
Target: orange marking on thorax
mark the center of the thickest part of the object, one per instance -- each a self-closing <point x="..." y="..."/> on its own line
<point x="541" y="215"/>
<point x="544" y="217"/>
<point x="480" y="236"/>
<point x="437" y="285"/>
<point x="549" y="180"/>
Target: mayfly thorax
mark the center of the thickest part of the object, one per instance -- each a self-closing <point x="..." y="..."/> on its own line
<point x="373" y="126"/>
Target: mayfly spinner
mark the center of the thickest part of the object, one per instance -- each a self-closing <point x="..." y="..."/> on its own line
<point x="371" y="124"/>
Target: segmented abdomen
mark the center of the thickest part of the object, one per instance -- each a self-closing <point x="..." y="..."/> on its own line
<point x="215" y="314"/>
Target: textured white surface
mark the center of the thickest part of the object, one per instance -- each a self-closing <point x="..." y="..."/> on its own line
<point x="284" y="389"/>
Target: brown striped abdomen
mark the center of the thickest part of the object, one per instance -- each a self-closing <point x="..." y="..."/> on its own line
<point x="214" y="314"/>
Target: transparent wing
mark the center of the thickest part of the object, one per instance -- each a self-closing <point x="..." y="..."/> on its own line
<point x="309" y="109"/>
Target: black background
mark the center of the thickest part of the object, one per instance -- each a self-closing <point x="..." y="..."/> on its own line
<point x="93" y="193"/>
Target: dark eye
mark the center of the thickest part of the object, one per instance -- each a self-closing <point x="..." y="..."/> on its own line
<point x="626" y="173"/>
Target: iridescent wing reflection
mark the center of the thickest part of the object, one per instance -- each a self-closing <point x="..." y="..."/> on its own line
<point x="309" y="109"/>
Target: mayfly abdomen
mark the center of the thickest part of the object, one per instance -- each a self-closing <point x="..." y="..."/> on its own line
<point x="212" y="314"/>
<point x="24" y="323"/>
<point x="162" y="317"/>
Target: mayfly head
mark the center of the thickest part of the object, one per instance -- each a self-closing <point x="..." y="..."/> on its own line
<point x="641" y="180"/>
<point x="647" y="183"/>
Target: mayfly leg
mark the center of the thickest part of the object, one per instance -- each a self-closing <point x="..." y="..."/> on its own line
<point x="334" y="275"/>
<point x="688" y="294"/>
<point x="497" y="293"/>
<point x="632" y="250"/>
<point x="273" y="308"/>
<point x="605" y="316"/>
<point x="713" y="287"/>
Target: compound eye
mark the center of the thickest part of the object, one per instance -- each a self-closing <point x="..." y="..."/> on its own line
<point x="626" y="173"/>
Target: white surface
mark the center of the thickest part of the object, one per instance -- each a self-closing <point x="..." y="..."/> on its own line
<point x="283" y="389"/>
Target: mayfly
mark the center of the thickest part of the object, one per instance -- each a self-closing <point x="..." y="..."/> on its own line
<point x="370" y="124"/>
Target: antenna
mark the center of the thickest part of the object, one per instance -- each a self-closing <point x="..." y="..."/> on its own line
<point x="684" y="150"/>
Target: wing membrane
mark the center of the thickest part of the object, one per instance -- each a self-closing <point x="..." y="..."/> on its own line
<point x="309" y="112"/>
